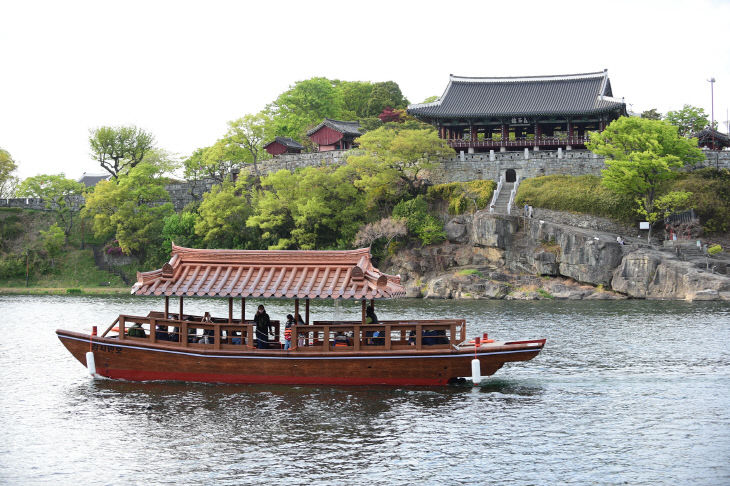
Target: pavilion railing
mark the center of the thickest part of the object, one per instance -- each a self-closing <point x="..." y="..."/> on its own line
<point x="519" y="142"/>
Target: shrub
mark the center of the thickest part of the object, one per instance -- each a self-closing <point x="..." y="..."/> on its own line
<point x="74" y="291"/>
<point x="710" y="199"/>
<point x="714" y="249"/>
<point x="581" y="194"/>
<point x="463" y="196"/>
<point x="425" y="226"/>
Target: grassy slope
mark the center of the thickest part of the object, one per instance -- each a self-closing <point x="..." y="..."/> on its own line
<point x="73" y="269"/>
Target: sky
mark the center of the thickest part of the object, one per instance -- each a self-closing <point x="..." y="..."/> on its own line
<point x="182" y="70"/>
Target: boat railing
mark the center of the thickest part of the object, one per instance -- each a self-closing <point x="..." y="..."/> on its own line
<point x="225" y="334"/>
<point x="192" y="331"/>
<point x="385" y="335"/>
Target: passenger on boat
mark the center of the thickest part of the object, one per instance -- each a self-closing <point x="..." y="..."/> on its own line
<point x="300" y="322"/>
<point x="287" y="330"/>
<point x="136" y="331"/>
<point x="263" y="328"/>
<point x="341" y="339"/>
<point x="370" y="318"/>
<point x="174" y="336"/>
<point x="161" y="333"/>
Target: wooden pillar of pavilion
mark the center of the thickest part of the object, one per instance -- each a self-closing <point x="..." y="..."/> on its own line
<point x="180" y="315"/>
<point x="364" y="303"/>
<point x="306" y="311"/>
<point x="167" y="307"/>
<point x="296" y="309"/>
<point x="243" y="310"/>
<point x="230" y="310"/>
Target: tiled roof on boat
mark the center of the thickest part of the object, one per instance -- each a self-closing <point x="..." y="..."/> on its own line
<point x="347" y="274"/>
<point x="570" y="94"/>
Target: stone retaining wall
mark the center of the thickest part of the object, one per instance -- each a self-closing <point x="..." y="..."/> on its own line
<point x="460" y="168"/>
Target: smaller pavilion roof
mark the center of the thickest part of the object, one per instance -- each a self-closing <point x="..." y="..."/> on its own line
<point x="351" y="128"/>
<point x="346" y="274"/>
<point x="286" y="142"/>
<point x="709" y="134"/>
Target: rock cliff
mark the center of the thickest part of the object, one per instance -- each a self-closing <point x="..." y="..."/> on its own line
<point x="507" y="257"/>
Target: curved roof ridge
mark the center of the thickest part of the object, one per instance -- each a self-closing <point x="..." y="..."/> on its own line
<point x="547" y="77"/>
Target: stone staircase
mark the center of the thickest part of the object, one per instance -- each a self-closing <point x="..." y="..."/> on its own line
<point x="500" y="205"/>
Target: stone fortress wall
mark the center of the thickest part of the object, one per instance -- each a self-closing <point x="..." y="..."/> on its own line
<point x="460" y="168"/>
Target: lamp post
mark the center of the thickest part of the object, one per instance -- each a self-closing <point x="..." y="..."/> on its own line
<point x="712" y="98"/>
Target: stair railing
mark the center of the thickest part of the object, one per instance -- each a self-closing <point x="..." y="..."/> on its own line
<point x="496" y="193"/>
<point x="512" y="195"/>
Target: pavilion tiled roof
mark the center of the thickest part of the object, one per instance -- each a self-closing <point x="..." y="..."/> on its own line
<point x="347" y="274"/>
<point x="350" y="128"/>
<point x="708" y="133"/>
<point x="286" y="142"/>
<point x="571" y="94"/>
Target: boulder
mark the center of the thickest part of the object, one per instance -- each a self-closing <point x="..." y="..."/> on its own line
<point x="652" y="274"/>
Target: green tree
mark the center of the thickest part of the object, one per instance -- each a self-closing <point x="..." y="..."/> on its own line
<point x="304" y="105"/>
<point x="430" y="99"/>
<point x="385" y="94"/>
<point x="8" y="181"/>
<point x="664" y="206"/>
<point x="119" y="149"/>
<point x="249" y="134"/>
<point x="216" y="162"/>
<point x="61" y="195"/>
<point x="180" y="229"/>
<point x="355" y="98"/>
<point x="392" y="159"/>
<point x="132" y="211"/>
<point x="641" y="155"/>
<point x="223" y="214"/>
<point x="651" y="114"/>
<point x="425" y="226"/>
<point x="53" y="241"/>
<point x="688" y="120"/>
<point x="315" y="208"/>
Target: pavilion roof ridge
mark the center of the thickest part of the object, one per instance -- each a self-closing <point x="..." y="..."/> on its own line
<point x="546" y="77"/>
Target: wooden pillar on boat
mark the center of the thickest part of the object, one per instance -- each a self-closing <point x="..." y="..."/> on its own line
<point x="230" y="310"/>
<point x="122" y="330"/>
<point x="153" y="329"/>
<point x="243" y="310"/>
<point x="306" y="312"/>
<point x="364" y="304"/>
<point x="180" y="316"/>
<point x="167" y="307"/>
<point x="296" y="310"/>
<point x="372" y="304"/>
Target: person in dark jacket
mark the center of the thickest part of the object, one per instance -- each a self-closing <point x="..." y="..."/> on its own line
<point x="263" y="327"/>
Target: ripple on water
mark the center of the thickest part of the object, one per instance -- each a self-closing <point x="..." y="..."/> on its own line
<point x="624" y="393"/>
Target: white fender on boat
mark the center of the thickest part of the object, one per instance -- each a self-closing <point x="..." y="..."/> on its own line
<point x="90" y="363"/>
<point x="475" y="371"/>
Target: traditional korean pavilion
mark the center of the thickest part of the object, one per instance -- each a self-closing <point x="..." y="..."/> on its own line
<point x="335" y="134"/>
<point x="710" y="138"/>
<point x="283" y="145"/>
<point x="512" y="113"/>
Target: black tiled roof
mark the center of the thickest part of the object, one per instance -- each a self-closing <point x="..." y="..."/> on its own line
<point x="351" y="128"/>
<point x="709" y="133"/>
<point x="286" y="142"/>
<point x="90" y="180"/>
<point x="571" y="94"/>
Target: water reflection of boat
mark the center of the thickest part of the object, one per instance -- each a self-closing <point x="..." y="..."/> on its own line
<point x="167" y="345"/>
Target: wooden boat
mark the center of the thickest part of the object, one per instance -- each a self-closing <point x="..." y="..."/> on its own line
<point x="175" y="346"/>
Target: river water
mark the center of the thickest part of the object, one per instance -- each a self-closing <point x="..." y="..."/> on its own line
<point x="627" y="392"/>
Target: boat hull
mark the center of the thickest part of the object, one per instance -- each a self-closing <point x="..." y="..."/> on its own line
<point x="143" y="362"/>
